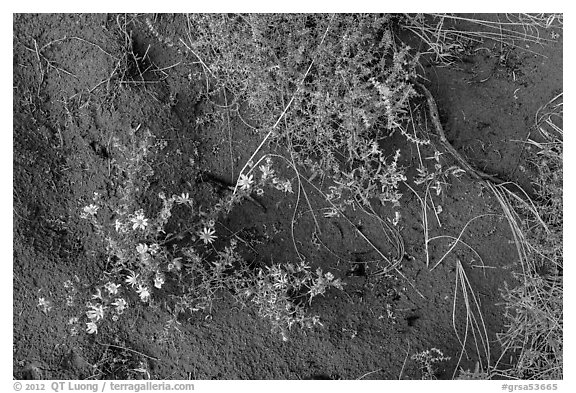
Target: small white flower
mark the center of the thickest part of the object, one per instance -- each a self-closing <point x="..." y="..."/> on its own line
<point x="329" y="276"/>
<point x="143" y="292"/>
<point x="141" y="248"/>
<point x="96" y="313"/>
<point x="132" y="279"/>
<point x="158" y="280"/>
<point x="183" y="198"/>
<point x="266" y="171"/>
<point x="285" y="186"/>
<point x="139" y="221"/>
<point x="154" y="248"/>
<point x="91" y="328"/>
<point x="245" y="182"/>
<point x="112" y="288"/>
<point x="46" y="305"/>
<point x="115" y="318"/>
<point x="91" y="209"/>
<point x="207" y="235"/>
<point x="120" y="305"/>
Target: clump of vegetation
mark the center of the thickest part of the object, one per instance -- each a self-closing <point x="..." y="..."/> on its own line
<point x="331" y="88"/>
<point x="426" y="361"/>
<point x="534" y="306"/>
<point x="144" y="259"/>
<point x="281" y="293"/>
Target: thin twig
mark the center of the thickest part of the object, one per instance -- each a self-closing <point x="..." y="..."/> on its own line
<point x="404" y="363"/>
<point x="368" y="373"/>
<point x="128" y="349"/>
<point x="229" y="136"/>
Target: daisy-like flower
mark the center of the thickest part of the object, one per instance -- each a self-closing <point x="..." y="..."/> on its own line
<point x="132" y="279"/>
<point x="154" y="248"/>
<point x="266" y="171"/>
<point x="158" y="280"/>
<point x="46" y="305"/>
<point x="285" y="186"/>
<point x="141" y="248"/>
<point x="245" y="182"/>
<point x="207" y="235"/>
<point x="112" y="288"/>
<point x="91" y="209"/>
<point x="96" y="313"/>
<point x="183" y="198"/>
<point x="143" y="292"/>
<point x="120" y="305"/>
<point x="91" y="328"/>
<point x="139" y="221"/>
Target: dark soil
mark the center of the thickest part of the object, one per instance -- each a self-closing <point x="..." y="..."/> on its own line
<point x="69" y="101"/>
